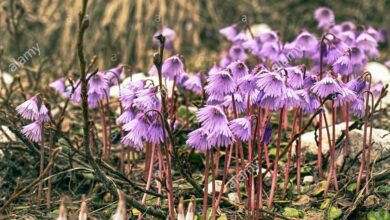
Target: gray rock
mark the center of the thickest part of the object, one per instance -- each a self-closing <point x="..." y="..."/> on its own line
<point x="308" y="180"/>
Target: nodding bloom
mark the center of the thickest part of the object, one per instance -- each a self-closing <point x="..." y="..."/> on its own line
<point x="58" y="85"/>
<point x="270" y="50"/>
<point x="211" y="117"/>
<point x="215" y="99"/>
<point x="214" y="69"/>
<point x="365" y="41"/>
<point x="346" y="96"/>
<point x="194" y="84"/>
<point x="127" y="115"/>
<point x="357" y="85"/>
<point x="98" y="89"/>
<point x="237" y="52"/>
<point x="309" y="80"/>
<point x="74" y="96"/>
<point x="113" y="75"/>
<point x="324" y="17"/>
<point x="222" y="136"/>
<point x="304" y="97"/>
<point x="348" y="37"/>
<point x="295" y="77"/>
<point x="172" y="67"/>
<point x="313" y="105"/>
<point x="147" y="99"/>
<point x="377" y="89"/>
<point x="220" y="83"/>
<point x="43" y="113"/>
<point x="29" y="109"/>
<point x="358" y="108"/>
<point x="272" y="84"/>
<point x="271" y="36"/>
<point x="326" y="86"/>
<point x="267" y="133"/>
<point x="198" y="139"/>
<point x="242" y="128"/>
<point x="127" y="97"/>
<point x="343" y="65"/>
<point x="181" y="79"/>
<point x="240" y="38"/>
<point x="238" y="69"/>
<point x="288" y="99"/>
<point x="230" y="32"/>
<point x="155" y="133"/>
<point x="33" y="131"/>
<point x="306" y="43"/>
<point x="169" y="35"/>
<point x="333" y="54"/>
<point x="98" y="83"/>
<point x="247" y="84"/>
<point x="137" y="130"/>
<point x="239" y="102"/>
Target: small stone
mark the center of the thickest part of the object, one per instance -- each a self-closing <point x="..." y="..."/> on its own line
<point x="218" y="186"/>
<point x="233" y="197"/>
<point x="308" y="180"/>
<point x="267" y="176"/>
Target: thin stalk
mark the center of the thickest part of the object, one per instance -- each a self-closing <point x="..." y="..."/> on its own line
<point x="275" y="173"/>
<point x="213" y="207"/>
<point x="41" y="164"/>
<point x="224" y="174"/>
<point x="149" y="180"/>
<point x="299" y="147"/>
<point x="106" y="154"/>
<point x="287" y="169"/>
<point x="206" y="183"/>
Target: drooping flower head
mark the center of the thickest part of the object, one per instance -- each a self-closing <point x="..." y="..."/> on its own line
<point x="267" y="133"/>
<point x="173" y="66"/>
<point x="127" y="115"/>
<point x="194" y="84"/>
<point x="242" y="128"/>
<point x="58" y="85"/>
<point x="295" y="77"/>
<point x="306" y="43"/>
<point x="272" y="84"/>
<point x="43" y="113"/>
<point x="343" y="65"/>
<point x="220" y="83"/>
<point x="147" y="99"/>
<point x="137" y="131"/>
<point x="113" y="75"/>
<point x="230" y="32"/>
<point x="357" y="85"/>
<point x="237" y="52"/>
<point x="326" y="86"/>
<point x="222" y="136"/>
<point x="169" y="35"/>
<point x="324" y="17"/>
<point x="211" y="117"/>
<point x="33" y="131"/>
<point x="198" y="139"/>
<point x="155" y="133"/>
<point x="238" y="69"/>
<point x="346" y="96"/>
<point x="29" y="109"/>
<point x="358" y="108"/>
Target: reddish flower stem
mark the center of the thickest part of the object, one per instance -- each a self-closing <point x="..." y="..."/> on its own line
<point x="149" y="179"/>
<point x="41" y="164"/>
<point x="224" y="175"/>
<point x="106" y="154"/>
<point x="213" y="207"/>
<point x="206" y="183"/>
<point x="287" y="169"/>
<point x="298" y="151"/>
<point x="275" y="173"/>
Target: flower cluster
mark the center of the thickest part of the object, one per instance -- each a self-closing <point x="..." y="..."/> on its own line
<point x="37" y="112"/>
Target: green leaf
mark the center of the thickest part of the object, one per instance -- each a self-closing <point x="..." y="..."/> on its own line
<point x="380" y="214"/>
<point x="319" y="188"/>
<point x="351" y="187"/>
<point x="291" y="212"/>
<point x="334" y="213"/>
<point x="383" y="189"/>
<point x="222" y="217"/>
<point x="306" y="169"/>
<point x="325" y="204"/>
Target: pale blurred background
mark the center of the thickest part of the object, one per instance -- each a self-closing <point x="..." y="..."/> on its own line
<point x="121" y="31"/>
